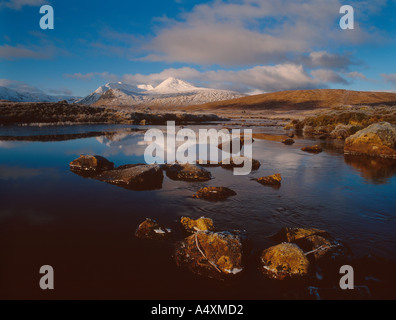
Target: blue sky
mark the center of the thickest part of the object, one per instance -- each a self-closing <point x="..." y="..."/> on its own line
<point x="248" y="45"/>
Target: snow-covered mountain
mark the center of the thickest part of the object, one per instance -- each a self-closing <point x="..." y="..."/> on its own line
<point x="171" y="92"/>
<point x="24" y="96"/>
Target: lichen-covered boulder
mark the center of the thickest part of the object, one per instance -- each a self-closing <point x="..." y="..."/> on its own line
<point x="201" y="224"/>
<point x="317" y="244"/>
<point x="215" y="255"/>
<point x="273" y="180"/>
<point x="214" y="193"/>
<point x="284" y="261"/>
<point x="312" y="149"/>
<point x="187" y="172"/>
<point x="135" y="177"/>
<point x="379" y="140"/>
<point x="91" y="164"/>
<point x="150" y="229"/>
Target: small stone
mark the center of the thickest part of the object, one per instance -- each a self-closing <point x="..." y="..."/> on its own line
<point x="150" y="229"/>
<point x="214" y="193"/>
<point x="274" y="180"/>
<point x="312" y="149"/>
<point x="93" y="164"/>
<point x="201" y="224"/>
<point x="187" y="172"/>
<point x="288" y="141"/>
<point x="239" y="162"/>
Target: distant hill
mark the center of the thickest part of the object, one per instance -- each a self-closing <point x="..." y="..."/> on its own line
<point x="300" y="100"/>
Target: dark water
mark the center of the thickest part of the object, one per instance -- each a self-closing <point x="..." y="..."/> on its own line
<point x="85" y="229"/>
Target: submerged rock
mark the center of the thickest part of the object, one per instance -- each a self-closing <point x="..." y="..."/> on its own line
<point x="150" y="229"/>
<point x="136" y="177"/>
<point x="284" y="261"/>
<point x="312" y="149"/>
<point x="91" y="164"/>
<point x="201" y="224"/>
<point x="288" y="141"/>
<point x="187" y="172"/>
<point x="214" y="193"/>
<point x="213" y="254"/>
<point x="274" y="180"/>
<point x="238" y="162"/>
<point x="378" y="140"/>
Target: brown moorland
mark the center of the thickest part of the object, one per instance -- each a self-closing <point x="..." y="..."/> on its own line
<point x="300" y="100"/>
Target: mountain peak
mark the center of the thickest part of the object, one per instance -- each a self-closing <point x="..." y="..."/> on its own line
<point x="173" y="85"/>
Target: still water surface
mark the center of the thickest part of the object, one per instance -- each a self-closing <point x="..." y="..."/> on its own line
<point x="85" y="228"/>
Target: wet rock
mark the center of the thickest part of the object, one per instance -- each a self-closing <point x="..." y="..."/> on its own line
<point x="312" y="149"/>
<point x="135" y="177"/>
<point x="214" y="193"/>
<point x="150" y="229"/>
<point x="201" y="224"/>
<point x="378" y="140"/>
<point x="318" y="245"/>
<point x="293" y="234"/>
<point x="212" y="254"/>
<point x="91" y="164"/>
<point x="274" y="180"/>
<point x="238" y="162"/>
<point x="288" y="141"/>
<point x="284" y="261"/>
<point x="187" y="172"/>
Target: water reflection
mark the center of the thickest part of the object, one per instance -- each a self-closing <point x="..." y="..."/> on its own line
<point x="374" y="170"/>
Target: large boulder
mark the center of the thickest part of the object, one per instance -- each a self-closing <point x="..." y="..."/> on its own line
<point x="90" y="164"/>
<point x="284" y="261"/>
<point x="135" y="177"/>
<point x="378" y="140"/>
<point x="214" y="193"/>
<point x="150" y="229"/>
<point x="216" y="255"/>
<point x="187" y="172"/>
<point x="201" y="224"/>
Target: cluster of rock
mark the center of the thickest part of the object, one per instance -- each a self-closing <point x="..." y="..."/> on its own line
<point x="301" y="253"/>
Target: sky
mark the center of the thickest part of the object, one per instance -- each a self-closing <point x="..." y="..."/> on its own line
<point x="250" y="46"/>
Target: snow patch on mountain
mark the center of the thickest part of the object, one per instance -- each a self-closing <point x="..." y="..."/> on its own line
<point x="24" y="96"/>
<point x="170" y="92"/>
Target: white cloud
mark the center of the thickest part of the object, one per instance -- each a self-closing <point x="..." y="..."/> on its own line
<point x="21" y="52"/>
<point x="389" y="78"/>
<point x="233" y="34"/>
<point x="328" y="76"/>
<point x="257" y="79"/>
